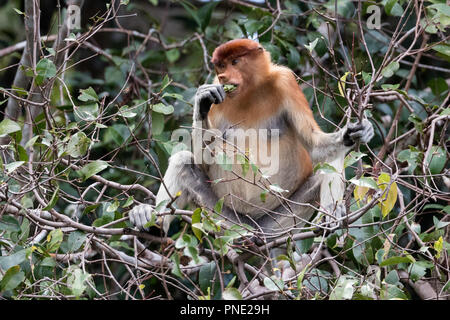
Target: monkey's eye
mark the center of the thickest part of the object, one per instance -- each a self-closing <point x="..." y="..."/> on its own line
<point x="234" y="62"/>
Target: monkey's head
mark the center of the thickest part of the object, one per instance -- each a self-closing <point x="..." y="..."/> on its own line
<point x="241" y="62"/>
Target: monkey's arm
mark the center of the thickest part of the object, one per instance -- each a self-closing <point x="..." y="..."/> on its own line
<point x="326" y="147"/>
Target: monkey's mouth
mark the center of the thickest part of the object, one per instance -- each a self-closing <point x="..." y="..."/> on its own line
<point x="232" y="89"/>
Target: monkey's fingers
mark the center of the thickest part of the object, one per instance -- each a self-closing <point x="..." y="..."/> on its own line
<point x="140" y="215"/>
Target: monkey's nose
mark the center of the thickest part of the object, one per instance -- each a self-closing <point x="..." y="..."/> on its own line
<point x="222" y="78"/>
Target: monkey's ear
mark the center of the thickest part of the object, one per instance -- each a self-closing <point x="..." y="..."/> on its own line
<point x="260" y="49"/>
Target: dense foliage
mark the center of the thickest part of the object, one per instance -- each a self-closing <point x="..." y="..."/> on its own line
<point x="87" y="116"/>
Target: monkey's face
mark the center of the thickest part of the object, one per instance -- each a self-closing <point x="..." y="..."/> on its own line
<point x="230" y="72"/>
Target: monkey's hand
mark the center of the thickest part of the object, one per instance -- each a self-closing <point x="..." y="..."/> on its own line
<point x="354" y="132"/>
<point x="206" y="95"/>
<point x="140" y="215"/>
<point x="144" y="213"/>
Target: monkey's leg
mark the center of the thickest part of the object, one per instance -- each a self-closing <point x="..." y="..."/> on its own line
<point x="183" y="176"/>
<point x="296" y="212"/>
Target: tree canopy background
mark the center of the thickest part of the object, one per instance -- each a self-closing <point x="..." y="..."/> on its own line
<point x="86" y="121"/>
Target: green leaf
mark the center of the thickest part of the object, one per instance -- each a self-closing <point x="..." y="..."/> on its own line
<point x="54" y="239"/>
<point x="18" y="11"/>
<point x="341" y="83"/>
<point x="344" y="288"/>
<point x="205" y="12"/>
<point x="176" y="270"/>
<point x="45" y="69"/>
<point x="173" y="55"/>
<point x="219" y="205"/>
<point x="162" y="108"/>
<point x="442" y="8"/>
<point x="273" y="283"/>
<point x="311" y="45"/>
<point x="88" y="94"/>
<point x="92" y="168"/>
<point x="388" y="87"/>
<point x="196" y="219"/>
<point x="12" y="278"/>
<point x="392" y="8"/>
<point x="9" y="223"/>
<point x="14" y="259"/>
<point x="389" y="70"/>
<point x="225" y="162"/>
<point x="387" y="203"/>
<point x="436" y="159"/>
<point x="324" y="168"/>
<point x="10" y="167"/>
<point x="397" y="260"/>
<point x="129" y="202"/>
<point x="88" y="112"/>
<point x="8" y="126"/>
<point x="192" y="10"/>
<point x="442" y="48"/>
<point x="126" y="113"/>
<point x="31" y="142"/>
<point x="75" y="240"/>
<point x="76" y="281"/>
<point x="53" y="200"/>
<point x="206" y="275"/>
<point x="78" y="145"/>
<point x="231" y="294"/>
<point x="113" y="206"/>
<point x="438" y="246"/>
<point x="365" y="182"/>
<point x="353" y="157"/>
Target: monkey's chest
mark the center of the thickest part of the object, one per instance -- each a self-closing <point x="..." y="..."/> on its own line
<point x="254" y="166"/>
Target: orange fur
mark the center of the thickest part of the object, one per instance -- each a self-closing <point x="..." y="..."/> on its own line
<point x="264" y="90"/>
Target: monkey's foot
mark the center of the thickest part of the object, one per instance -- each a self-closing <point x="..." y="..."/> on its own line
<point x="336" y="213"/>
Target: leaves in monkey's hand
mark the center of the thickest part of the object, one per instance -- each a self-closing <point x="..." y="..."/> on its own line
<point x="231" y="294"/>
<point x="45" y="69"/>
<point x="229" y="88"/>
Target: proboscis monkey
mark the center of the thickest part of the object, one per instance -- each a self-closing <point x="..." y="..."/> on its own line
<point x="266" y="102"/>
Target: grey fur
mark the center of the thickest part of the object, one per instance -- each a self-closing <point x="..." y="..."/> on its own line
<point x="193" y="180"/>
